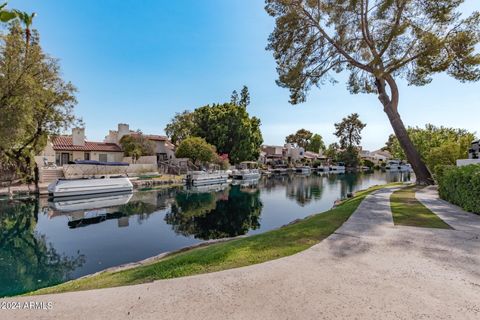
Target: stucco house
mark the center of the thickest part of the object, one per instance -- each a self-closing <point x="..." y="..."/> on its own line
<point x="164" y="149"/>
<point x="62" y="149"/>
<point x="377" y="157"/>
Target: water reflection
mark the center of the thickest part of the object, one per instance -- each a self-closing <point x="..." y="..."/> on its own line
<point x="44" y="243"/>
<point x="27" y="261"/>
<point x="222" y="214"/>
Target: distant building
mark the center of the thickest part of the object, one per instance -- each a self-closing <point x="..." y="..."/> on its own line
<point x="287" y="153"/>
<point x="377" y="157"/>
<point x="474" y="151"/>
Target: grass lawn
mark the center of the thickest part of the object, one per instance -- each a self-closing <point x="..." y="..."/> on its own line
<point x="408" y="211"/>
<point x="236" y="253"/>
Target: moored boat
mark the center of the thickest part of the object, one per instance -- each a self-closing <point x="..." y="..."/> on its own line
<point x="199" y="178"/>
<point x="248" y="170"/>
<point x="280" y="169"/>
<point x="303" y="170"/>
<point x="89" y="186"/>
<point x="398" y="165"/>
<point x="339" y="167"/>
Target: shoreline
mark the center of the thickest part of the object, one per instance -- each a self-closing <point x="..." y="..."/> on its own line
<point x="24" y="190"/>
<point x="166" y="257"/>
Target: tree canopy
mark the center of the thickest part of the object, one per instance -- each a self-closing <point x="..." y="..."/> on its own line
<point x="137" y="145"/>
<point x="301" y="138"/>
<point x="227" y="126"/>
<point x="376" y="42"/>
<point x="197" y="150"/>
<point x="307" y="140"/>
<point x="349" y="131"/>
<point x="35" y="102"/>
<point x="436" y="145"/>
<point x="316" y="144"/>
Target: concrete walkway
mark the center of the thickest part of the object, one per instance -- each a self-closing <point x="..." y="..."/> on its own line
<point x="368" y="269"/>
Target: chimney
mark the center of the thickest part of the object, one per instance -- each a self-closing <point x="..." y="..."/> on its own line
<point x="78" y="136"/>
<point x="123" y="130"/>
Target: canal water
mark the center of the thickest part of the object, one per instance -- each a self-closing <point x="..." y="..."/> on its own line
<point x="43" y="243"/>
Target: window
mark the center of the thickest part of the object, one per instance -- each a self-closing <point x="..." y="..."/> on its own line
<point x="86" y="156"/>
<point x="102" y="157"/>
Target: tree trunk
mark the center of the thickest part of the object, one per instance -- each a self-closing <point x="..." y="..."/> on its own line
<point x="422" y="173"/>
<point x="390" y="106"/>
<point x="36" y="178"/>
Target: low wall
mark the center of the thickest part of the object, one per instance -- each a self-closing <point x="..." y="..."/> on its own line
<point x="142" y="160"/>
<point x="80" y="170"/>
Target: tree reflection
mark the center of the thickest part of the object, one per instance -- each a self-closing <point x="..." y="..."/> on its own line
<point x="305" y="189"/>
<point x="229" y="213"/>
<point x="27" y="261"/>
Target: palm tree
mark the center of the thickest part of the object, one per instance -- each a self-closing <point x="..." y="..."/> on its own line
<point x="6" y="15"/>
<point x="27" y="20"/>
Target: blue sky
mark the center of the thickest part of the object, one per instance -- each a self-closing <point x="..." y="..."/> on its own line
<point x="139" y="62"/>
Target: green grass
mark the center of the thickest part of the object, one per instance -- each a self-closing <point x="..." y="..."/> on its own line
<point x="408" y="211"/>
<point x="236" y="253"/>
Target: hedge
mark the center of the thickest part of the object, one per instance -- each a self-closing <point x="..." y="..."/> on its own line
<point x="460" y="186"/>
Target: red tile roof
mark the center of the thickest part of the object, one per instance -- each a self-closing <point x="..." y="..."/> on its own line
<point x="65" y="143"/>
<point x="152" y="137"/>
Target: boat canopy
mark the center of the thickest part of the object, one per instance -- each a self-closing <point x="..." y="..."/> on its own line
<point x="99" y="163"/>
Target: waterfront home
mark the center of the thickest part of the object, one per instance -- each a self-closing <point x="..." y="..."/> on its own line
<point x="164" y="148"/>
<point x="289" y="153"/>
<point x="377" y="157"/>
<point x="473" y="155"/>
<point x="272" y="154"/>
<point x="474" y="151"/>
<point x="294" y="153"/>
<point x="65" y="148"/>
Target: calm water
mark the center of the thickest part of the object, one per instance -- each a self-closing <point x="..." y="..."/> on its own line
<point x="43" y="243"/>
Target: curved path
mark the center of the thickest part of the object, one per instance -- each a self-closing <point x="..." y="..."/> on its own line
<point x="368" y="269"/>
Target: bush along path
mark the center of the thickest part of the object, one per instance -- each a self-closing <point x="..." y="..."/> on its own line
<point x="457" y="218"/>
<point x="460" y="186"/>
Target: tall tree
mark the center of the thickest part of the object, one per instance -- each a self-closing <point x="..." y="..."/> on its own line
<point x="35" y="102"/>
<point x="227" y="126"/>
<point x="301" y="138"/>
<point x="180" y="127"/>
<point x="230" y="129"/>
<point x="349" y="131"/>
<point x="432" y="141"/>
<point x="378" y="42"/>
<point x="234" y="98"/>
<point x="316" y="144"/>
<point x="137" y="145"/>
<point x="244" y="97"/>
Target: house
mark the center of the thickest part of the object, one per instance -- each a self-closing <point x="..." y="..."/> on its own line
<point x="164" y="149"/>
<point x="294" y="153"/>
<point x="474" y="151"/>
<point x="287" y="153"/>
<point x="272" y="154"/>
<point x="62" y="149"/>
<point x="377" y="157"/>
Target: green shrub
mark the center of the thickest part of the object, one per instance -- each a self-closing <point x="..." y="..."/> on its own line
<point x="368" y="163"/>
<point x="460" y="186"/>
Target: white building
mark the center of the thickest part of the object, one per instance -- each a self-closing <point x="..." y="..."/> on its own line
<point x="164" y="149"/>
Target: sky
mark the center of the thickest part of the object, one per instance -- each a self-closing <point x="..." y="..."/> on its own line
<point x="140" y="62"/>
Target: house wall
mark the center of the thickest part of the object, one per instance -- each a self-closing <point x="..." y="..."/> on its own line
<point x="94" y="155"/>
<point x="161" y="148"/>
<point x="80" y="170"/>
